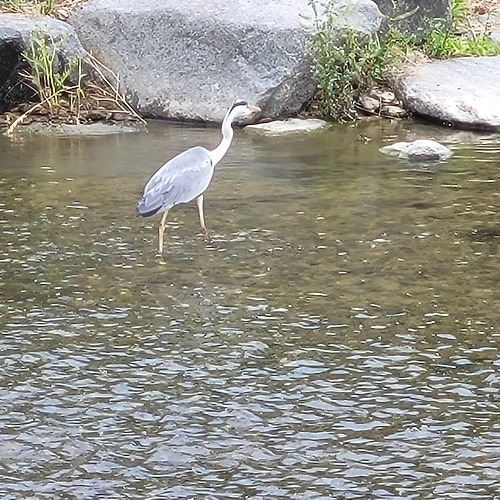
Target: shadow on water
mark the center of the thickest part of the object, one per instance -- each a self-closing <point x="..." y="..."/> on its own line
<point x="337" y="339"/>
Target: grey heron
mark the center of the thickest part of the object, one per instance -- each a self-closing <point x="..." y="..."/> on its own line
<point x="188" y="175"/>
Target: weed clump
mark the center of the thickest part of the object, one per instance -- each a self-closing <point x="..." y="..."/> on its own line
<point x="51" y="76"/>
<point x="43" y="7"/>
<point x="443" y="42"/>
<point x="348" y="64"/>
<point x="65" y="91"/>
<point x="347" y="70"/>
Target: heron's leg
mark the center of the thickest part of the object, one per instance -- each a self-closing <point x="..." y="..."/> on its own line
<point x="199" y="202"/>
<point x="161" y="231"/>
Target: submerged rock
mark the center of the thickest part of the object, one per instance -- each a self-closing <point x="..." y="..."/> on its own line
<point x="419" y="150"/>
<point x="291" y="125"/>
<point x="463" y="91"/>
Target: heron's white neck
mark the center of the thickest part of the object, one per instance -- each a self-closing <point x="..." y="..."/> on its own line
<point x="227" y="136"/>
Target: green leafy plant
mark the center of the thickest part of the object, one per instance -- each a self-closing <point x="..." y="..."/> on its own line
<point x="349" y="63"/>
<point x="459" y="11"/>
<point x="459" y="39"/>
<point x="44" y="7"/>
<point x="346" y="68"/>
<point x="49" y="75"/>
<point x="12" y="5"/>
<point x="443" y="42"/>
<point x="47" y="7"/>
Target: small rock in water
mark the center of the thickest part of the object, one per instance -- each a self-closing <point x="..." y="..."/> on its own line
<point x="369" y="104"/>
<point x="419" y="150"/>
<point x="393" y="111"/>
<point x="387" y="96"/>
<point x="383" y="103"/>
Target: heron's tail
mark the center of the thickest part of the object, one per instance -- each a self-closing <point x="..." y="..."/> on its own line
<point x="148" y="206"/>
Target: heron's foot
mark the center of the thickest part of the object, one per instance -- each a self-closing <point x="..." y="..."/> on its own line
<point x="206" y="235"/>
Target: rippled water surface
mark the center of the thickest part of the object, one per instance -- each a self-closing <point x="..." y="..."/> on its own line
<point x="339" y="338"/>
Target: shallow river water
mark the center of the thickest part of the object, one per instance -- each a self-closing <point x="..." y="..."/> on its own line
<point x="339" y="337"/>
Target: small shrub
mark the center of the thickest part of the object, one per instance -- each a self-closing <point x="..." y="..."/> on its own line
<point x="347" y="68"/>
<point x="345" y="71"/>
<point x="459" y="11"/>
<point x="47" y="7"/>
<point x="12" y="5"/>
<point x="44" y="7"/>
<point x="49" y="75"/>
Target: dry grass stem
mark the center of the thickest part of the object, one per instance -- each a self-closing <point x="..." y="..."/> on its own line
<point x="23" y="117"/>
<point x="111" y="88"/>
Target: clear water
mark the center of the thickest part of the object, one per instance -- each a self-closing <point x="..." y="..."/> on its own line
<point x="339" y="338"/>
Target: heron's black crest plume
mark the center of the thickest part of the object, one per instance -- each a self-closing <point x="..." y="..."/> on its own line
<point x="238" y="102"/>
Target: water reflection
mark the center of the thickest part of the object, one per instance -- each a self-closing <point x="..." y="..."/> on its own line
<point x="337" y="339"/>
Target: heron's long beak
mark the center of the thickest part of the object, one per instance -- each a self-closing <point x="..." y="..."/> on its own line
<point x="254" y="109"/>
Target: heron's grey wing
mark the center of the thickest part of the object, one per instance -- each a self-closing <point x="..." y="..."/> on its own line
<point x="180" y="180"/>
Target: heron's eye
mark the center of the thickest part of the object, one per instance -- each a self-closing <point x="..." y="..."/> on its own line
<point x="240" y="103"/>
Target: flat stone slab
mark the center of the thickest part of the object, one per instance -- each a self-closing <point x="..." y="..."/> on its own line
<point x="463" y="91"/>
<point x="88" y="129"/>
<point x="289" y="126"/>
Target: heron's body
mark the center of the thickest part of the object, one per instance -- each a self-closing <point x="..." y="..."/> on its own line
<point x="188" y="175"/>
<point x="163" y="191"/>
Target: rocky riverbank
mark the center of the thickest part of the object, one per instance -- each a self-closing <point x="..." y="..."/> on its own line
<point x="176" y="61"/>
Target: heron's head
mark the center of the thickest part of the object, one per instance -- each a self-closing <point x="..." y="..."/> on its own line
<point x="243" y="109"/>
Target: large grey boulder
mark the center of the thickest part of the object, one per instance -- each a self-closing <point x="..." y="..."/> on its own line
<point x="363" y="16"/>
<point x="15" y="35"/>
<point x="12" y="89"/>
<point x="189" y="60"/>
<point x="463" y="92"/>
<point x="415" y="16"/>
